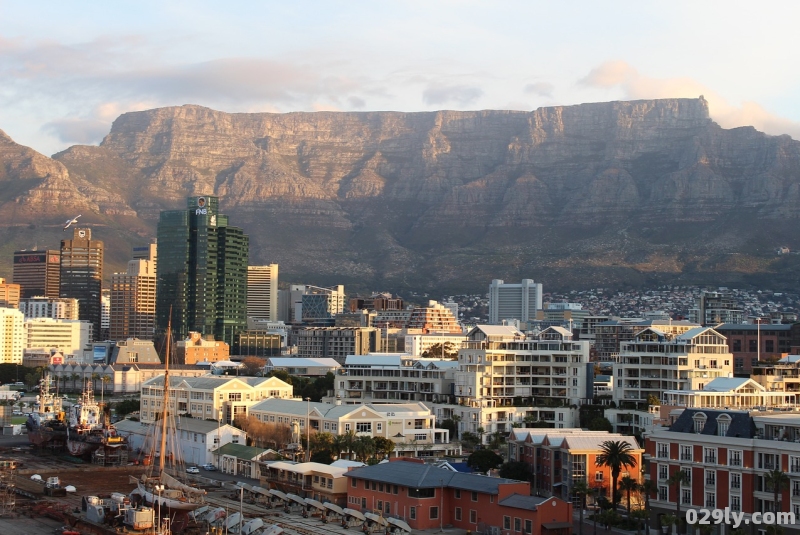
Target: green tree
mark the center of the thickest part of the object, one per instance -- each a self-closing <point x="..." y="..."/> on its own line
<point x="615" y="454"/>
<point x="653" y="400"/>
<point x="627" y="485"/>
<point x="74" y="377"/>
<point x="283" y="375"/>
<point x="469" y="440"/>
<point x="349" y="442"/>
<point x="515" y="470"/>
<point x="127" y="406"/>
<point x="678" y="478"/>
<point x="777" y="480"/>
<point x="601" y="423"/>
<point x="484" y="460"/>
<point x="451" y="426"/>
<point x="581" y="490"/>
<point x="668" y="520"/>
<point x="95" y="377"/>
<point x="364" y="447"/>
<point x="383" y="447"/>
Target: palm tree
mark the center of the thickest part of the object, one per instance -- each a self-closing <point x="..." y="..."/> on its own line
<point x="95" y="377"/>
<point x="338" y="445"/>
<point x="615" y="454"/>
<point x="778" y="480"/>
<point x="348" y="442"/>
<point x="364" y="447"/>
<point x="383" y="446"/>
<point x="627" y="484"/>
<point x="678" y="478"/>
<point x="74" y="377"/>
<point x="104" y="380"/>
<point x="481" y="431"/>
<point x="581" y="489"/>
<point x="668" y="520"/>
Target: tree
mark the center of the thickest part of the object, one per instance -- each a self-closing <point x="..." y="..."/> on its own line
<point x="778" y="481"/>
<point x="615" y="454"/>
<point x="653" y="400"/>
<point x="678" y="478"/>
<point x="647" y="488"/>
<point x="253" y="365"/>
<point x="668" y="520"/>
<point x="104" y="380"/>
<point x="364" y="447"/>
<point x="581" y="490"/>
<point x="321" y="442"/>
<point x="95" y="377"/>
<point x="515" y="470"/>
<point x="469" y="440"/>
<point x="283" y="375"/>
<point x="601" y="423"/>
<point x="74" y="377"/>
<point x="126" y="407"/>
<point x="497" y="439"/>
<point x="451" y="426"/>
<point x="448" y="350"/>
<point x="383" y="446"/>
<point x="349" y="442"/>
<point x="484" y="460"/>
<point x="628" y="485"/>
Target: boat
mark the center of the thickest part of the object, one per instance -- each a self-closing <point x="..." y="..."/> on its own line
<point x="158" y="488"/>
<point x="46" y="427"/>
<point x="86" y="432"/>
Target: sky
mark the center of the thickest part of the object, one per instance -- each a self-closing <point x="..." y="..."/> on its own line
<point x="68" y="69"/>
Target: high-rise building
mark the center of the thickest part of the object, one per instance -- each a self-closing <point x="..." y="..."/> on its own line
<point x="321" y="305"/>
<point x="57" y="308"/>
<point x="82" y="274"/>
<point x="133" y="302"/>
<point x="713" y="308"/>
<point x="147" y="252"/>
<point x="12" y="336"/>
<point x="68" y="336"/>
<point x="38" y="273"/>
<point x="262" y="292"/>
<point x="434" y="318"/>
<point x="514" y="301"/>
<point x="9" y="294"/>
<point x="202" y="272"/>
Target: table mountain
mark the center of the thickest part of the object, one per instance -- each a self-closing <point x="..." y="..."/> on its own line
<point x="618" y="193"/>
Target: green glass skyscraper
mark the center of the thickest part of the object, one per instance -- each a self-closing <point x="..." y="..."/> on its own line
<point x="202" y="271"/>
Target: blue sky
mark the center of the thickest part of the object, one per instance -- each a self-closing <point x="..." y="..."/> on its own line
<point x="68" y="69"/>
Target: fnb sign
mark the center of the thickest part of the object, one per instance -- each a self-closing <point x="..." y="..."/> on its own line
<point x="30" y="258"/>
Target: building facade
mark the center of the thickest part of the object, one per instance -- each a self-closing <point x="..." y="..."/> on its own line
<point x="12" y="336"/>
<point x="68" y="336"/>
<point x="514" y="301"/>
<point x="38" y="273"/>
<point x="335" y="342"/>
<point x="195" y="348"/>
<point x="202" y="272"/>
<point x="9" y="294"/>
<point x="434" y="318"/>
<point x="133" y="301"/>
<point x="57" y="308"/>
<point x="82" y="275"/>
<point x="751" y="343"/>
<point x="262" y="292"/>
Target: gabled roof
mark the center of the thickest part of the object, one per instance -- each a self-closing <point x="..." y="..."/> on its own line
<point x="418" y="475"/>
<point x="728" y="384"/>
<point x="790" y="359"/>
<point x="329" y="411"/>
<point x="373" y="360"/>
<point x="697" y="331"/>
<point x="240" y="451"/>
<point x="497" y="330"/>
<point x="295" y="362"/>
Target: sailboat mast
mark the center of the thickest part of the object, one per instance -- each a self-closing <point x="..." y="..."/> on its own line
<point x="163" y="456"/>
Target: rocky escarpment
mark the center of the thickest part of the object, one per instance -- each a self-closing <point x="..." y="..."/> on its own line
<point x="593" y="194"/>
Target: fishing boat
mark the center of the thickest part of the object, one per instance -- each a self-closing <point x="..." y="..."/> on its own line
<point x="90" y="431"/>
<point x="46" y="426"/>
<point x="158" y="488"/>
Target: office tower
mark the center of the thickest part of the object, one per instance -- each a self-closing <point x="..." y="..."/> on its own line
<point x="202" y="272"/>
<point x="262" y="292"/>
<point x="321" y="305"/>
<point x="38" y="273"/>
<point x="133" y="302"/>
<point x="82" y="275"/>
<point x="9" y="294"/>
<point x="68" y="336"/>
<point x="57" y="308"/>
<point x="514" y="301"/>
<point x="12" y="338"/>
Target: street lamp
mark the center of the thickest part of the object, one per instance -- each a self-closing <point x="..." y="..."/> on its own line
<point x="308" y="429"/>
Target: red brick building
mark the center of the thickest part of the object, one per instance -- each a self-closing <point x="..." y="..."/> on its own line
<point x="743" y="341"/>
<point x="427" y="497"/>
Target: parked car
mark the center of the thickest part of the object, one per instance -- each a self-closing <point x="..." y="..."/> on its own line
<point x="192" y="470"/>
<point x="210" y="467"/>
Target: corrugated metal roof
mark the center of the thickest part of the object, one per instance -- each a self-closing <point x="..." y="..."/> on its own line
<point x="418" y="475"/>
<point x="520" y="501"/>
<point x="373" y="360"/>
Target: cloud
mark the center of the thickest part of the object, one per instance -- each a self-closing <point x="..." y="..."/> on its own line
<point x="356" y="102"/>
<point x="635" y="85"/>
<point x="80" y="131"/>
<point x="462" y="95"/>
<point x="543" y="89"/>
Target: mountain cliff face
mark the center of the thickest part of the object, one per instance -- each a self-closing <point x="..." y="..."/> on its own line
<point x="591" y="195"/>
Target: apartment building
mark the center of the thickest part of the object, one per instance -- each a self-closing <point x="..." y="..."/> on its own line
<point x="751" y="343"/>
<point x="612" y="334"/>
<point x="411" y="426"/>
<point x="558" y="458"/>
<point x="781" y="376"/>
<point x="262" y="292"/>
<point x="417" y="344"/>
<point x="713" y="308"/>
<point x="335" y="342"/>
<point x="302" y="367"/>
<point x="198" y="348"/>
<point x="434" y="318"/>
<point x="133" y="301"/>
<point x="12" y="336"/>
<point x="57" y="308"/>
<point x="68" y="336"/>
<point x="514" y="301"/>
<point x="394" y="378"/>
<point x="9" y="294"/>
<point x="731" y="393"/>
<point x="656" y="361"/>
<point x="209" y="396"/>
<point x="726" y="455"/>
<point x="427" y="498"/>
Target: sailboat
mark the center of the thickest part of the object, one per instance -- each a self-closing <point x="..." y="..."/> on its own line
<point x="162" y="489"/>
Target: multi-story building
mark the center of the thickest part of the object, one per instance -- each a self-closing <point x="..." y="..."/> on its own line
<point x="82" y="275"/>
<point x="559" y="458"/>
<point x="302" y="367"/>
<point x="781" y="376"/>
<point x="750" y="343"/>
<point x="713" y="308"/>
<point x="134" y="351"/>
<point x="321" y="305"/>
<point x="12" y="337"/>
<point x="262" y="292"/>
<point x="655" y="362"/>
<point x="611" y="334"/>
<point x="9" y="294"/>
<point x="147" y="252"/>
<point x="394" y="378"/>
<point x="38" y="273"/>
<point x="731" y="393"/>
<point x="433" y="318"/>
<point x="214" y="397"/>
<point x="119" y="378"/>
<point x="202" y="272"/>
<point x="417" y="344"/>
<point x="514" y="301"/>
<point x="68" y="336"/>
<point x="255" y="343"/>
<point x="568" y="315"/>
<point x="335" y="342"/>
<point x="411" y="426"/>
<point x="428" y="497"/>
<point x="197" y="348"/>
<point x="321" y="482"/>
<point x="133" y="301"/>
<point x="58" y="308"/>
<point x="726" y="455"/>
<point x="376" y="302"/>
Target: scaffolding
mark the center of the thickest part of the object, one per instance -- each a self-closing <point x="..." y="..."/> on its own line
<point x="8" y="495"/>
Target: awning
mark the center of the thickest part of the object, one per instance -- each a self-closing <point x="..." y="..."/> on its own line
<point x="332" y="507"/>
<point x="261" y="490"/>
<point x="278" y="494"/>
<point x="376" y="518"/>
<point x="396" y="522"/>
<point x="557" y="525"/>
<point x="354" y="514"/>
<point x="315" y="503"/>
<point x="297" y="499"/>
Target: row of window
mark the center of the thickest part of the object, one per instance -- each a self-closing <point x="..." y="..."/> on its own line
<point x="709" y="456"/>
<point x="734" y="479"/>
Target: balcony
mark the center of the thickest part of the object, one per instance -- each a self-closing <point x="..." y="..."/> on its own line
<point x="710" y="459"/>
<point x="735" y="462"/>
<point x="711" y="481"/>
<point x="794" y="468"/>
<point x="686" y="457"/>
<point x="735" y="485"/>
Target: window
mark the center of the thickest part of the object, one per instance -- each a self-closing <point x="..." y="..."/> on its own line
<point x="363" y="503"/>
<point x="474" y="496"/>
<point x="711" y="477"/>
<point x="379" y="427"/>
<point x="347" y="427"/>
<point x="394" y="489"/>
<point x="380" y="505"/>
<point x="364" y="427"/>
<point x="421" y="493"/>
<point x="686" y="496"/>
<point x="737" y="346"/>
<point x="736" y="481"/>
<point x="662" y="493"/>
<point x="506" y="522"/>
<point x="529" y="526"/>
<point x="380" y="489"/>
<point x="753" y="346"/>
<point x="473" y="516"/>
<point x="769" y="346"/>
<point x="688" y="472"/>
<point x="686" y="453"/>
<point x="723" y="422"/>
<point x="598" y="476"/>
<point x="736" y="504"/>
<point x="699" y="422"/>
<point x="420" y="437"/>
<point x="735" y="457"/>
<point x="458" y="494"/>
<point x="710" y="455"/>
<point x="517" y="524"/>
<point x="458" y="513"/>
<point x="662" y="450"/>
<point x="794" y="464"/>
<point x="711" y="499"/>
<point x="234" y="396"/>
<point x="663" y="472"/>
<point x="412" y="513"/>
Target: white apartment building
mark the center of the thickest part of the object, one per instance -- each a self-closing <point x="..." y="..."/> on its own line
<point x="417" y="344"/>
<point x="59" y="308"/>
<point x="12" y="337"/>
<point x="411" y="426"/>
<point x="655" y="362"/>
<point x="394" y="378"/>
<point x="262" y="292"/>
<point x="121" y="378"/>
<point x="514" y="301"/>
<point x="210" y="396"/>
<point x="68" y="336"/>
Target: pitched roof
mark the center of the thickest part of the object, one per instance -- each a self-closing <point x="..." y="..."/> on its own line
<point x="382" y="359"/>
<point x="240" y="451"/>
<point x="520" y="501"/>
<point x="741" y="424"/>
<point x="327" y="410"/>
<point x="727" y="384"/>
<point x="294" y="362"/>
<point x="499" y="330"/>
